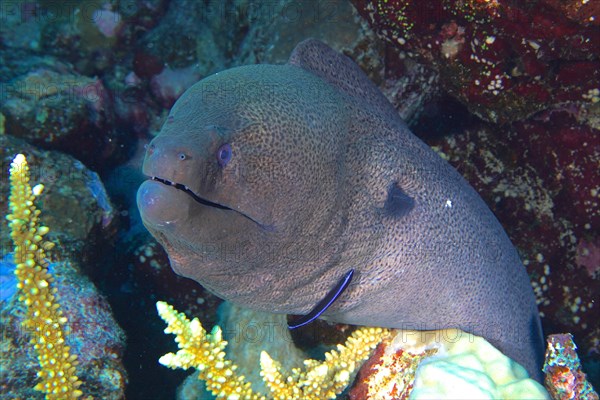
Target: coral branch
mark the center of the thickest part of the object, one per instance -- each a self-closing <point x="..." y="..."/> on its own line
<point x="44" y="318"/>
<point x="318" y="380"/>
<point x="205" y="352"/>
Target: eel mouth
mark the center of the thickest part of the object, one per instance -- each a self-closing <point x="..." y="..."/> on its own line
<point x="206" y="202"/>
<point x="191" y="193"/>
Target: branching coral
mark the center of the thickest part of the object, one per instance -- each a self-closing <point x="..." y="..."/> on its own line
<point x="318" y="380"/>
<point x="44" y="318"/>
<point x="326" y="379"/>
<point x="205" y="352"/>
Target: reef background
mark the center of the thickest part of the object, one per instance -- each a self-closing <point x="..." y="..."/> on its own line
<point x="508" y="92"/>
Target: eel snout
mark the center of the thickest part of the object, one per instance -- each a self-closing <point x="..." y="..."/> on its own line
<point x="160" y="205"/>
<point x="163" y="202"/>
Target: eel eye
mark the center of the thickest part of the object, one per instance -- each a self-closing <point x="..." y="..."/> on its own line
<point x="224" y="154"/>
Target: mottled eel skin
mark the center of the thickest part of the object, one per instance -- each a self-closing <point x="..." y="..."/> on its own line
<point x="271" y="182"/>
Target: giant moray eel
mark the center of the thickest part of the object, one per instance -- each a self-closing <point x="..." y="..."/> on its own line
<point x="271" y="183"/>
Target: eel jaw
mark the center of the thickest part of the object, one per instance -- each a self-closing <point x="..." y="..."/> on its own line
<point x="206" y="202"/>
<point x="191" y="193"/>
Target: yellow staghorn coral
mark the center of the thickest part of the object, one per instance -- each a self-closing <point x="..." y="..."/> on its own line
<point x="205" y="352"/>
<point x="326" y="379"/>
<point x="44" y="319"/>
<point x="318" y="380"/>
